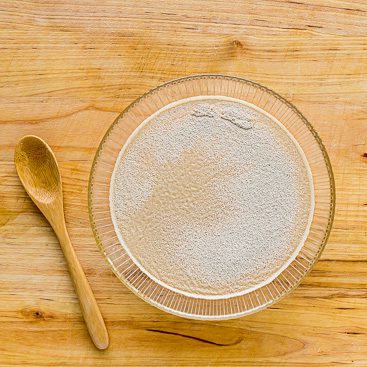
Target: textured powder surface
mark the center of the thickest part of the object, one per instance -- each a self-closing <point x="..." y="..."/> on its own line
<point x="211" y="197"/>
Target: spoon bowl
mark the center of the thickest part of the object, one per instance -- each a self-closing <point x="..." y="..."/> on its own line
<point x="37" y="169"/>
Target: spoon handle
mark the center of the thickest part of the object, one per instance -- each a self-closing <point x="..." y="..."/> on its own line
<point x="88" y="304"/>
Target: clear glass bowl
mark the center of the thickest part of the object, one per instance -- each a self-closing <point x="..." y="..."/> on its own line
<point x="139" y="282"/>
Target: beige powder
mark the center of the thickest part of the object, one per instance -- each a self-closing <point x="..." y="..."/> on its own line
<point x="211" y="197"/>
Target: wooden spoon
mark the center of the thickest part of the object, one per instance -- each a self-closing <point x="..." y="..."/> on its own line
<point x="39" y="173"/>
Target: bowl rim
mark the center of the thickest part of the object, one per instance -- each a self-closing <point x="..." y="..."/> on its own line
<point x="302" y="118"/>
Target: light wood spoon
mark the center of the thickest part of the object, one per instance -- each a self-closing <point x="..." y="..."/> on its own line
<point x="39" y="173"/>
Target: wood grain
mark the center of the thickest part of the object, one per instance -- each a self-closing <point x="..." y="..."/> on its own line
<point x="67" y="68"/>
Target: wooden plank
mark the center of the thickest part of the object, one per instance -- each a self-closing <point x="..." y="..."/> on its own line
<point x="67" y="68"/>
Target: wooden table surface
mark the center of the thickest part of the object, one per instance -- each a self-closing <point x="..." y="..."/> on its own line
<point x="67" y="68"/>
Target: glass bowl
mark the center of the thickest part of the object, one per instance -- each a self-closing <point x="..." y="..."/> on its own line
<point x="139" y="282"/>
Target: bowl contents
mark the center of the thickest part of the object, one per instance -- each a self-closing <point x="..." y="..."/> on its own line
<point x="211" y="197"/>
